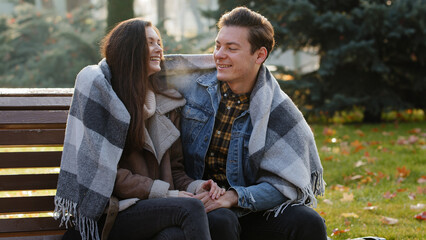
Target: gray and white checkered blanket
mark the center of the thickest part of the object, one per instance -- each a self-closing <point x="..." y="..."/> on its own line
<point x="282" y="149"/>
<point x="94" y="139"/>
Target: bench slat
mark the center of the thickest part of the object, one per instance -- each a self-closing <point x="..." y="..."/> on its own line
<point x="28" y="224"/>
<point x="31" y="137"/>
<point x="30" y="159"/>
<point x="28" y="182"/>
<point x="26" y="204"/>
<point x="35" y="103"/>
<point x="33" y="119"/>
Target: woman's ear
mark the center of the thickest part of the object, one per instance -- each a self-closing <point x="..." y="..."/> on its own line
<point x="261" y="53"/>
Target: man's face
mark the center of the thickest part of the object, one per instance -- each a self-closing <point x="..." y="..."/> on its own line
<point x="235" y="63"/>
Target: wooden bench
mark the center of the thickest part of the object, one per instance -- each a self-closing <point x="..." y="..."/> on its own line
<point x="32" y="127"/>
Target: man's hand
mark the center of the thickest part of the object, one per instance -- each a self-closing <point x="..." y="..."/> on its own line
<point x="228" y="200"/>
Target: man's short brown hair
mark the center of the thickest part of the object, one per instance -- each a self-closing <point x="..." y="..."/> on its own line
<point x="261" y="32"/>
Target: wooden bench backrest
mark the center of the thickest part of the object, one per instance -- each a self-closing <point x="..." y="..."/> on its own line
<point x="30" y="118"/>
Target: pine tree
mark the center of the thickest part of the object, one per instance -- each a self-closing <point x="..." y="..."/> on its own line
<point x="373" y="52"/>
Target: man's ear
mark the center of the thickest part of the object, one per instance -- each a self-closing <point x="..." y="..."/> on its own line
<point x="261" y="53"/>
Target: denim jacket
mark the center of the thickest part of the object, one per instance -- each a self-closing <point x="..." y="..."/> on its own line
<point x="197" y="123"/>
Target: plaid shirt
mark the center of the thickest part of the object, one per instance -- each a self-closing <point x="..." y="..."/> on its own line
<point x="231" y="106"/>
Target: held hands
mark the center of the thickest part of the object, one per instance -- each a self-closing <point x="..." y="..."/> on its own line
<point x="185" y="194"/>
<point x="214" y="191"/>
<point x="228" y="200"/>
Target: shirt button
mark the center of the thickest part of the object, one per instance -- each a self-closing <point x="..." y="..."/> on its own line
<point x="238" y="101"/>
<point x="228" y="107"/>
<point x="218" y="132"/>
<point x="211" y="154"/>
<point x="225" y="95"/>
<point x="206" y="138"/>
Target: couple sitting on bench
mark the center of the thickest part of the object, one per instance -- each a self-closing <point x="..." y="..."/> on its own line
<point x="225" y="156"/>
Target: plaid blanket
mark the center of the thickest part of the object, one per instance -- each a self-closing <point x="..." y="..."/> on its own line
<point x="282" y="149"/>
<point x="94" y="139"/>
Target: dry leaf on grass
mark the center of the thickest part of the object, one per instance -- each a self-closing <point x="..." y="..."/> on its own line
<point x="420" y="216"/>
<point x="419" y="206"/>
<point x="349" y="215"/>
<point x="337" y="231"/>
<point x="347" y="197"/>
<point x="389" y="221"/>
<point x="370" y="208"/>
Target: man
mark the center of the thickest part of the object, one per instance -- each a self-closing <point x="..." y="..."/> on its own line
<point x="242" y="131"/>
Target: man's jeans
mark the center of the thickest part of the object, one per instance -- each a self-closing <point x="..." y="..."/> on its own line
<point x="295" y="223"/>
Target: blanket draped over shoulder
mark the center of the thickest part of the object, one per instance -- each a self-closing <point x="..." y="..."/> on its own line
<point x="282" y="150"/>
<point x="94" y="140"/>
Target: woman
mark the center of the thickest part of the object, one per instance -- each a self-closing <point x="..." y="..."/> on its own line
<point x="122" y="143"/>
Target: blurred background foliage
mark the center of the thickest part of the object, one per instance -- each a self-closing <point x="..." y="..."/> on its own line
<point x="372" y="53"/>
<point x="39" y="48"/>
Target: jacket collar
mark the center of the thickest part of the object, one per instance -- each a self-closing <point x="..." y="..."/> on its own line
<point x="161" y="132"/>
<point x="209" y="79"/>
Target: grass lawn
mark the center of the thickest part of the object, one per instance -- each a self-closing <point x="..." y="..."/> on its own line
<point x="375" y="178"/>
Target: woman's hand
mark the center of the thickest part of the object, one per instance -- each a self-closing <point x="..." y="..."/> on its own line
<point x="214" y="190"/>
<point x="185" y="194"/>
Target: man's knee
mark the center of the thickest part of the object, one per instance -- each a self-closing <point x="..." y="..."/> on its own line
<point x="223" y="224"/>
<point x="308" y="221"/>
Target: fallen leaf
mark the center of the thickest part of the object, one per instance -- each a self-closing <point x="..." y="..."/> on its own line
<point x="336" y="231"/>
<point x="351" y="215"/>
<point x="329" y="158"/>
<point x="389" y="221"/>
<point x="366" y="180"/>
<point x="412" y="196"/>
<point x="420" y="216"/>
<point x="347" y="197"/>
<point x="415" y="131"/>
<point x="402" y="172"/>
<point x="418" y="206"/>
<point x="421" y="190"/>
<point x="359" y="163"/>
<point x="370" y="208"/>
<point x="421" y="180"/>
<point x="340" y="188"/>
<point x="325" y="149"/>
<point x="328" y="131"/>
<point x="401" y="189"/>
<point x="356" y="177"/>
<point x="412" y="139"/>
<point x="360" y="133"/>
<point x="389" y="195"/>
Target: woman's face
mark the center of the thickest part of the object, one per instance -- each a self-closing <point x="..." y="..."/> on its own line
<point x="155" y="50"/>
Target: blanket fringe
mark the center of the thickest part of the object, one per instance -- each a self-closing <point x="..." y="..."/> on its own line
<point x="65" y="209"/>
<point x="307" y="195"/>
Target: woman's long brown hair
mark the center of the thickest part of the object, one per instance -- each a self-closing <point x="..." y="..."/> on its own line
<point x="126" y="51"/>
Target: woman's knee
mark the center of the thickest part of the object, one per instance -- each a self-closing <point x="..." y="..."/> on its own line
<point x="191" y="204"/>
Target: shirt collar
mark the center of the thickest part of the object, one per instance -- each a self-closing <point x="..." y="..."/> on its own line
<point x="227" y="93"/>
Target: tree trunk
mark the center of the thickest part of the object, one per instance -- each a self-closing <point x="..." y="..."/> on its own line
<point x="119" y="10"/>
<point x="161" y="13"/>
<point x="72" y="4"/>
